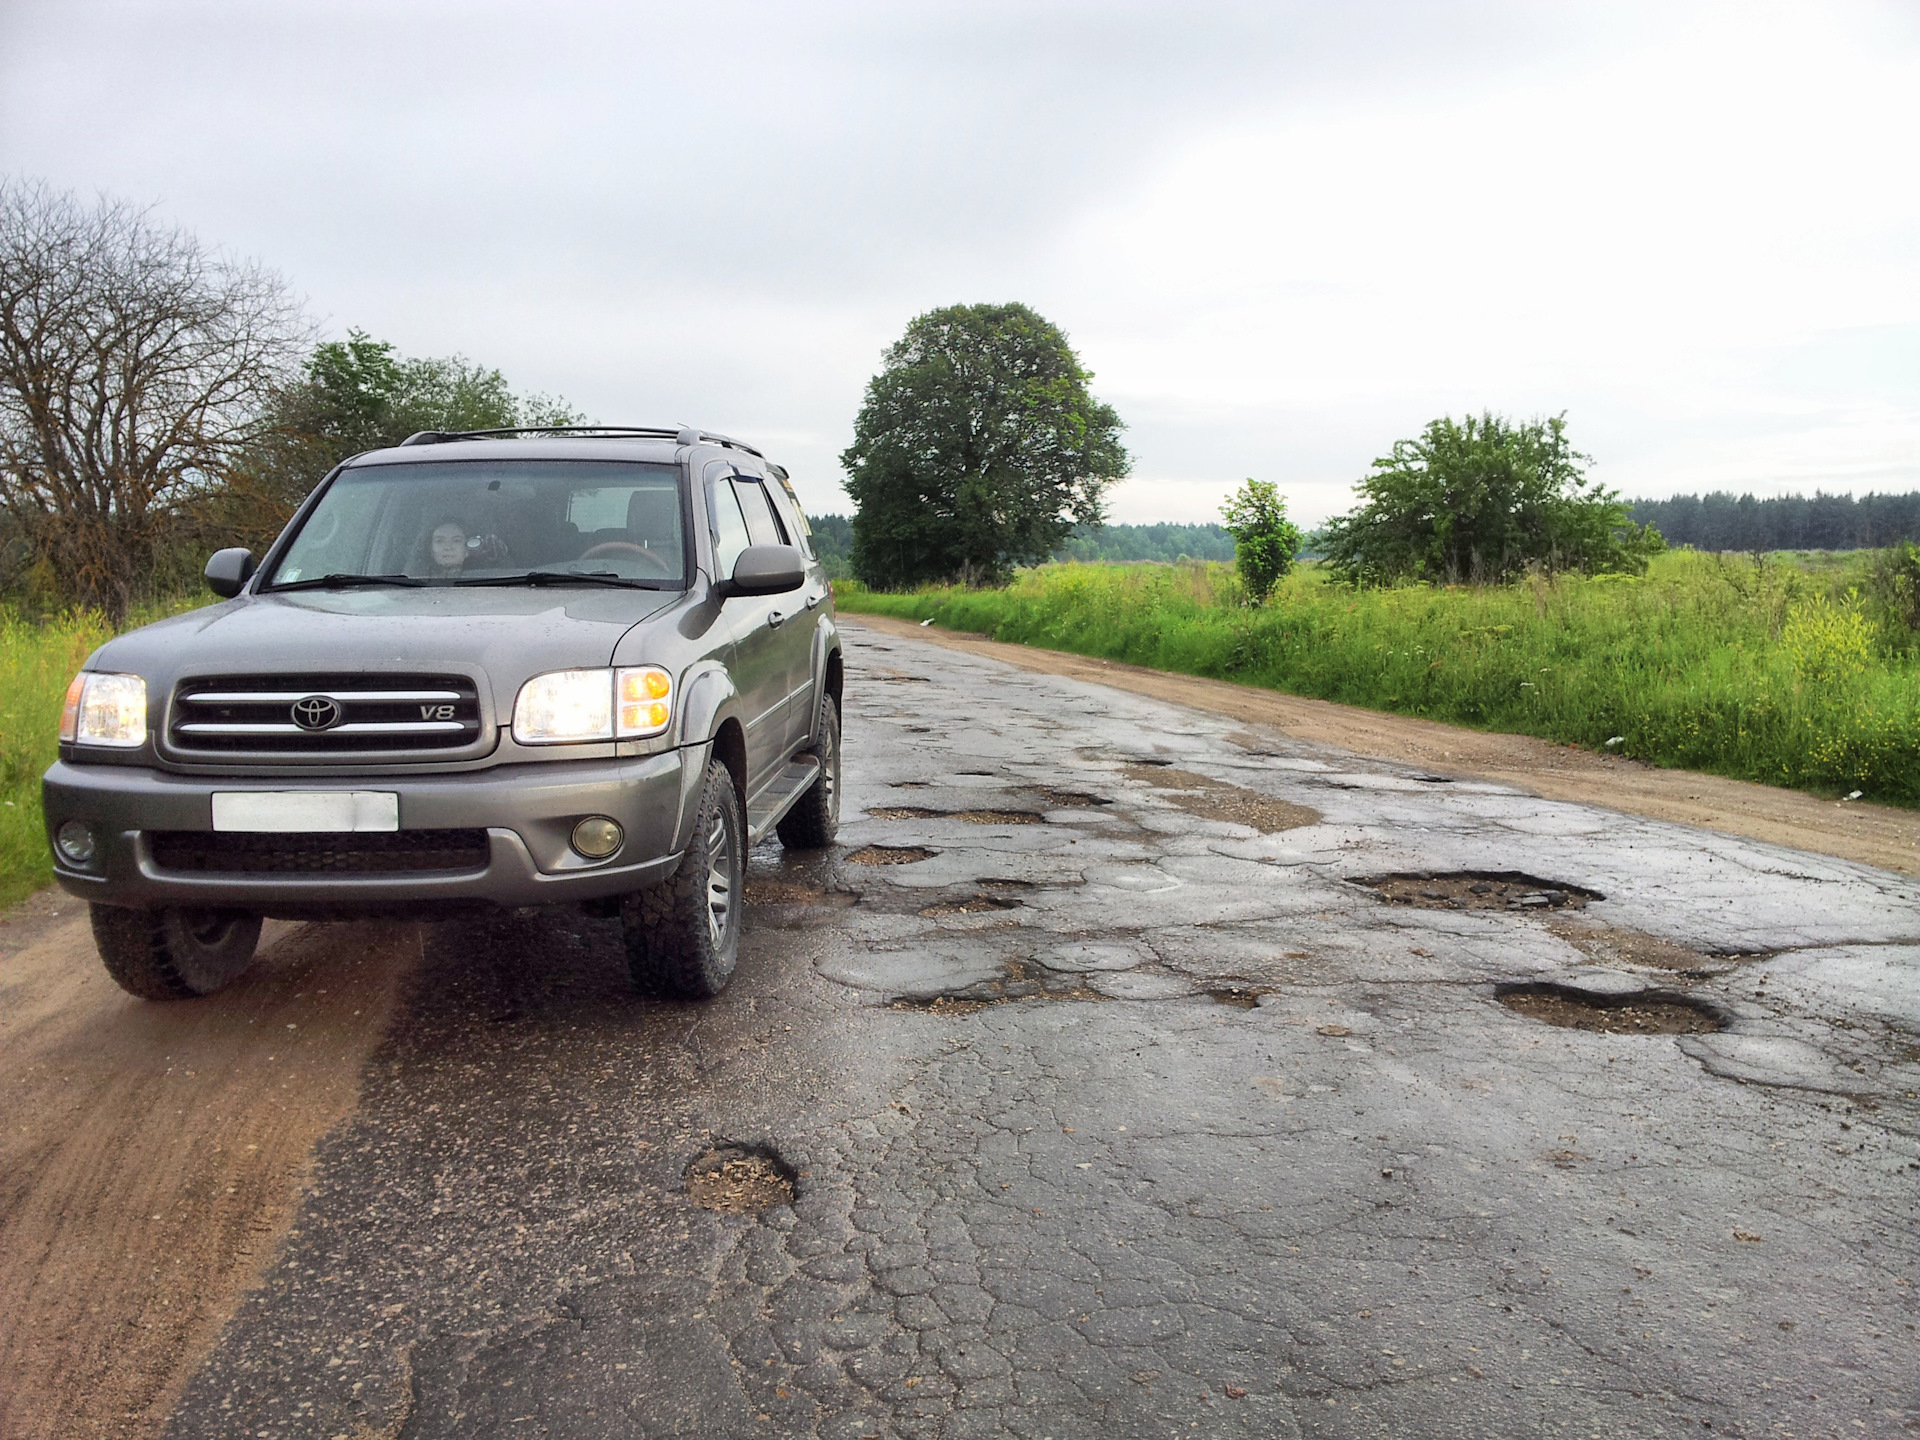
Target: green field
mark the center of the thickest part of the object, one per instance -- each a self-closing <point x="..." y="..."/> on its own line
<point x="1772" y="670"/>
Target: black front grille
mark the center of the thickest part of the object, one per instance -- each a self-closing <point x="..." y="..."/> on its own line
<point x="322" y="715"/>
<point x="378" y="853"/>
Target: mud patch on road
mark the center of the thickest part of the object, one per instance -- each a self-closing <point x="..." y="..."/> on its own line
<point x="890" y="855"/>
<point x="1210" y="799"/>
<point x="1641" y="1012"/>
<point x="1614" y="946"/>
<point x="740" y="1179"/>
<point x="1480" y="890"/>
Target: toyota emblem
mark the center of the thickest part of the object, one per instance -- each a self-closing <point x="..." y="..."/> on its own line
<point x="316" y="712"/>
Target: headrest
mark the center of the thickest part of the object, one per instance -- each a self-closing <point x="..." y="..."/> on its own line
<point x="653" y="514"/>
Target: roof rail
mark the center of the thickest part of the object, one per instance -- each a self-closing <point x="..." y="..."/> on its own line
<point x="685" y="435"/>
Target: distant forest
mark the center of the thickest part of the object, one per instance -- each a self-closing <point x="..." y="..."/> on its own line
<point x="1718" y="521"/>
<point x="1724" y="521"/>
<point x="833" y="539"/>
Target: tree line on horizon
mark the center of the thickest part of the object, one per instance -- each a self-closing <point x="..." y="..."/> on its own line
<point x="1723" y="521"/>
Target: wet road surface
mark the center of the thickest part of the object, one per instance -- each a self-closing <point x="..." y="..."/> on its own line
<point x="1130" y="1110"/>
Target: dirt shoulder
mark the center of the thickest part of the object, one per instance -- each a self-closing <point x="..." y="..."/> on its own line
<point x="1870" y="834"/>
<point x="153" y="1154"/>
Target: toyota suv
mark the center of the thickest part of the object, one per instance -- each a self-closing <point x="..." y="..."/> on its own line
<point x="585" y="667"/>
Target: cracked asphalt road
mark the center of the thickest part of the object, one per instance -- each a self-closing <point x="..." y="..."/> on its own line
<point x="1050" y="1186"/>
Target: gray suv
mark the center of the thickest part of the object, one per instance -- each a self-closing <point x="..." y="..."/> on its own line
<point x="500" y="668"/>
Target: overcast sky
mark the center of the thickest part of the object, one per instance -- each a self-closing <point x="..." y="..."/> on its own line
<point x="1281" y="235"/>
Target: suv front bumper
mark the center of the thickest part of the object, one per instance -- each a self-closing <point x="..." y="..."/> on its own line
<point x="526" y="811"/>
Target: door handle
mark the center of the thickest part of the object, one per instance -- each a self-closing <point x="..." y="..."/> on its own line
<point x="812" y="600"/>
<point x="775" y="619"/>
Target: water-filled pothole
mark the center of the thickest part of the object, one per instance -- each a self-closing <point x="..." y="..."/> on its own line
<point x="970" y="905"/>
<point x="1480" y="890"/>
<point x="972" y="817"/>
<point x="739" y="1179"/>
<point x="890" y="855"/>
<point x="1640" y="1012"/>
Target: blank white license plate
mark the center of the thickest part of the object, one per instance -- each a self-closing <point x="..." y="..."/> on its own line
<point x="300" y="812"/>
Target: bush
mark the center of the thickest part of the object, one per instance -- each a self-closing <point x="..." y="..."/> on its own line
<point x="1264" y="540"/>
<point x="1482" y="500"/>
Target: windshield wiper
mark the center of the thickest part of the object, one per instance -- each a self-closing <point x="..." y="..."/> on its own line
<point x="567" y="577"/>
<point x="343" y="581"/>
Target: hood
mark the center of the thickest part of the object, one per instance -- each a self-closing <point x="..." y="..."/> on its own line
<point x="501" y="636"/>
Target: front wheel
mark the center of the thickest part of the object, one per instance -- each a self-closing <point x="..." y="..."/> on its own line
<point x="683" y="935"/>
<point x="815" y="817"/>
<point x="174" y="954"/>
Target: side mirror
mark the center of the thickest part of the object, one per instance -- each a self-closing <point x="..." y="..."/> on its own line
<point x="228" y="570"/>
<point x="765" y="570"/>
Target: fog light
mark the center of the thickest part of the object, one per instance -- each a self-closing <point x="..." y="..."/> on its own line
<point x="597" y="837"/>
<point x="75" y="839"/>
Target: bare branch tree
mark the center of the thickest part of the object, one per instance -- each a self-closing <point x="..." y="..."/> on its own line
<point x="134" y="364"/>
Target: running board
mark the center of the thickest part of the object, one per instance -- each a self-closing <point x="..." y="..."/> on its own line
<point x="771" y="804"/>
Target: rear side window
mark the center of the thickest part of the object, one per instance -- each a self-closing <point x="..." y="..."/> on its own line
<point x="786" y="505"/>
<point x="762" y="523"/>
<point x="730" y="535"/>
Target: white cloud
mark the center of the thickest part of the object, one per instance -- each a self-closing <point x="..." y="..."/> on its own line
<point x="1282" y="235"/>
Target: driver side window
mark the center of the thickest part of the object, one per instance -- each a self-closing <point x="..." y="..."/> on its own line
<point x="730" y="535"/>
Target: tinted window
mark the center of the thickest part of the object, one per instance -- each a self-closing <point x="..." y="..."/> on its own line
<point x="786" y="505"/>
<point x="762" y="523"/>
<point x="730" y="535"/>
<point x="479" y="518"/>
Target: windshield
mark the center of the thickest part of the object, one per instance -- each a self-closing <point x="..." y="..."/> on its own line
<point x="489" y="521"/>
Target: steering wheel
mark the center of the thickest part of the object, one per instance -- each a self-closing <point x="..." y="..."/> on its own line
<point x="627" y="547"/>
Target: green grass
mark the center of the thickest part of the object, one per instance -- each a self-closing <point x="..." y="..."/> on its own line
<point x="37" y="659"/>
<point x="1771" y="670"/>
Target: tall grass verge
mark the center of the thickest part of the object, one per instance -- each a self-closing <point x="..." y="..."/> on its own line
<point x="1762" y="670"/>
<point x="37" y="659"/>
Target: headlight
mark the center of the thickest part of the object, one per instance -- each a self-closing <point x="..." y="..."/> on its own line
<point x="105" y="710"/>
<point x="571" y="706"/>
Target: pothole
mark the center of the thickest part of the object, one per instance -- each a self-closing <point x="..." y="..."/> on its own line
<point x="972" y="817"/>
<point x="970" y="905"/>
<point x="1241" y="997"/>
<point x="889" y="855"/>
<point x="1210" y="799"/>
<point x="788" y="892"/>
<point x="1068" y="799"/>
<point x="1004" y="883"/>
<point x="1640" y="1012"/>
<point x="1020" y="981"/>
<point x="739" y="1179"/>
<point x="1480" y="890"/>
<point x="912" y="785"/>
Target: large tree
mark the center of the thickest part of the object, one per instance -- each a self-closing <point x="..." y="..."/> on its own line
<point x="1480" y="500"/>
<point x="979" y="447"/>
<point x="352" y="395"/>
<point x="135" y="364"/>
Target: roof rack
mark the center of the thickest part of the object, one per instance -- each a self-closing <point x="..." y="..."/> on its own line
<point x="685" y="435"/>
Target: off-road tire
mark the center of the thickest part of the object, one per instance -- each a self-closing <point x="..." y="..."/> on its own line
<point x="815" y="817"/>
<point x="174" y="954"/>
<point x="678" y="943"/>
